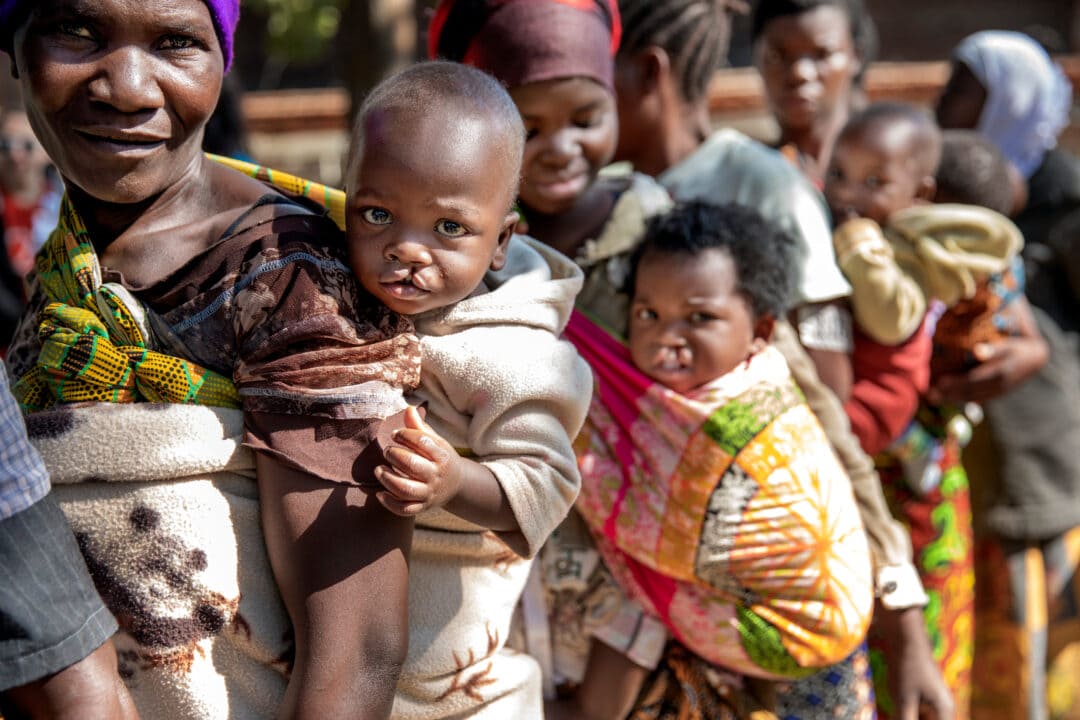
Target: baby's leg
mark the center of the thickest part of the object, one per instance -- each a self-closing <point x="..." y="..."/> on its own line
<point x="341" y="563"/>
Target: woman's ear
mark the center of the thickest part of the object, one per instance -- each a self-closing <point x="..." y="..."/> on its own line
<point x="510" y="222"/>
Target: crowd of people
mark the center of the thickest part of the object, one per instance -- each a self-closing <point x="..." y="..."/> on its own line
<point x="568" y="404"/>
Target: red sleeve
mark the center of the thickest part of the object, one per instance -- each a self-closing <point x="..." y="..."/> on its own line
<point x="888" y="382"/>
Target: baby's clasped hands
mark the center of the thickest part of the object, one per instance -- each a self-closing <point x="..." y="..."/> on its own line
<point x="424" y="470"/>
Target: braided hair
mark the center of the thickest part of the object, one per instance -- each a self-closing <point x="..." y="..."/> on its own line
<point x="863" y="31"/>
<point x="694" y="33"/>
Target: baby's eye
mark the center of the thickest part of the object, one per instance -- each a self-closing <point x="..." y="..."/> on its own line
<point x="873" y="182"/>
<point x="644" y="314"/>
<point x="700" y="317"/>
<point x="449" y="228"/>
<point x="376" y="216"/>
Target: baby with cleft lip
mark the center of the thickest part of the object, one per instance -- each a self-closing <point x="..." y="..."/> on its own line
<point x="489" y="471"/>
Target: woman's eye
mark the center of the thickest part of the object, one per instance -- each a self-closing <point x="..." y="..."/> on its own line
<point x="449" y="228"/>
<point x="772" y="56"/>
<point x="700" y="317"/>
<point x="179" y="42"/>
<point x="644" y="314"/>
<point x="76" y="30"/>
<point x="588" y="121"/>
<point x="376" y="216"/>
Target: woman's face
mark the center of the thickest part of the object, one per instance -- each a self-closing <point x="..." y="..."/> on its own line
<point x="22" y="159"/>
<point x="571" y="134"/>
<point x="118" y="91"/>
<point x="962" y="100"/>
<point x="807" y="63"/>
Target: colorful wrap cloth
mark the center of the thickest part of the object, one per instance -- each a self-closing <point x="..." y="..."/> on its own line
<point x="94" y="337"/>
<point x="330" y="198"/>
<point x="725" y="513"/>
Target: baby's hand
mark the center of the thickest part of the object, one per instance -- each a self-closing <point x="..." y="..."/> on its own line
<point x="424" y="470"/>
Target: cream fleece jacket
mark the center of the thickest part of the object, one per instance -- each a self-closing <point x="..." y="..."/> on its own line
<point x="506" y="391"/>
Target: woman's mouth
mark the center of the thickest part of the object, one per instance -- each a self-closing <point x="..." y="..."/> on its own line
<point x="563" y="189"/>
<point x="121" y="142"/>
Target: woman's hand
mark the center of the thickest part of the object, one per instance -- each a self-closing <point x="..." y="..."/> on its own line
<point x="424" y="470"/>
<point x="915" y="683"/>
<point x="1003" y="365"/>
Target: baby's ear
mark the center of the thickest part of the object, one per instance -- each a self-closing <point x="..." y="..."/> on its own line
<point x="926" y="189"/>
<point x="509" y="223"/>
<point x="763" y="330"/>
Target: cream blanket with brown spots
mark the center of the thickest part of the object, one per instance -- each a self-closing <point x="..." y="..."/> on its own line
<point x="163" y="502"/>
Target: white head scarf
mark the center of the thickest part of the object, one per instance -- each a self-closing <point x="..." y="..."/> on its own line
<point x="1028" y="96"/>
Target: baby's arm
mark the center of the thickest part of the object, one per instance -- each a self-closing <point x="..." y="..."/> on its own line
<point x="611" y="685"/>
<point x="424" y="471"/>
<point x="887" y="302"/>
<point x="520" y="396"/>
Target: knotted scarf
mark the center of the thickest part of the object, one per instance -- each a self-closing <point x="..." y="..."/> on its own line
<point x="95" y="336"/>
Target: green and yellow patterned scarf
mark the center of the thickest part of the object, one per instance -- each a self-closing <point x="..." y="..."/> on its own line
<point x="94" y="337"/>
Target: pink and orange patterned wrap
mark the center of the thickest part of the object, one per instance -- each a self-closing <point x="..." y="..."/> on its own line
<point x="724" y="513"/>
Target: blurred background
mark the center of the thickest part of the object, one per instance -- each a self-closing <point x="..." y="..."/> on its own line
<point x="300" y="65"/>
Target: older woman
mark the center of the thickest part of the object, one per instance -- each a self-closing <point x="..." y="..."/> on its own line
<point x="227" y="305"/>
<point x="811" y="55"/>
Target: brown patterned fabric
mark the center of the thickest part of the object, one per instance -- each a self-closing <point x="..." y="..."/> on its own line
<point x="274" y="306"/>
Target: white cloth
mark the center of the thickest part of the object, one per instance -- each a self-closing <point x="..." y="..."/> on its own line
<point x="504" y="389"/>
<point x="1028" y="96"/>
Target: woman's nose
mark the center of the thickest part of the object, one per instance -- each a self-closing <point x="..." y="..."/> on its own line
<point x="562" y="147"/>
<point x="127" y="81"/>
<point x="802" y="69"/>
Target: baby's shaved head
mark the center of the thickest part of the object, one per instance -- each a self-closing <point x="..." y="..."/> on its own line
<point x="433" y="89"/>
<point x="915" y="127"/>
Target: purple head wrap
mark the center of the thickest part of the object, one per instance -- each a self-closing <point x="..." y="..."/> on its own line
<point x="225" y="14"/>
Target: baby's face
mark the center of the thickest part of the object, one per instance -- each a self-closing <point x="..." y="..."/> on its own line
<point x="688" y="323"/>
<point x="872" y="174"/>
<point x="427" y="210"/>
<point x="571" y="131"/>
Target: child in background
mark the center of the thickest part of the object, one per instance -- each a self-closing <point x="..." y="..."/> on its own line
<point x="903" y="257"/>
<point x="690" y="520"/>
<point x="902" y="254"/>
<point x="489" y="471"/>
